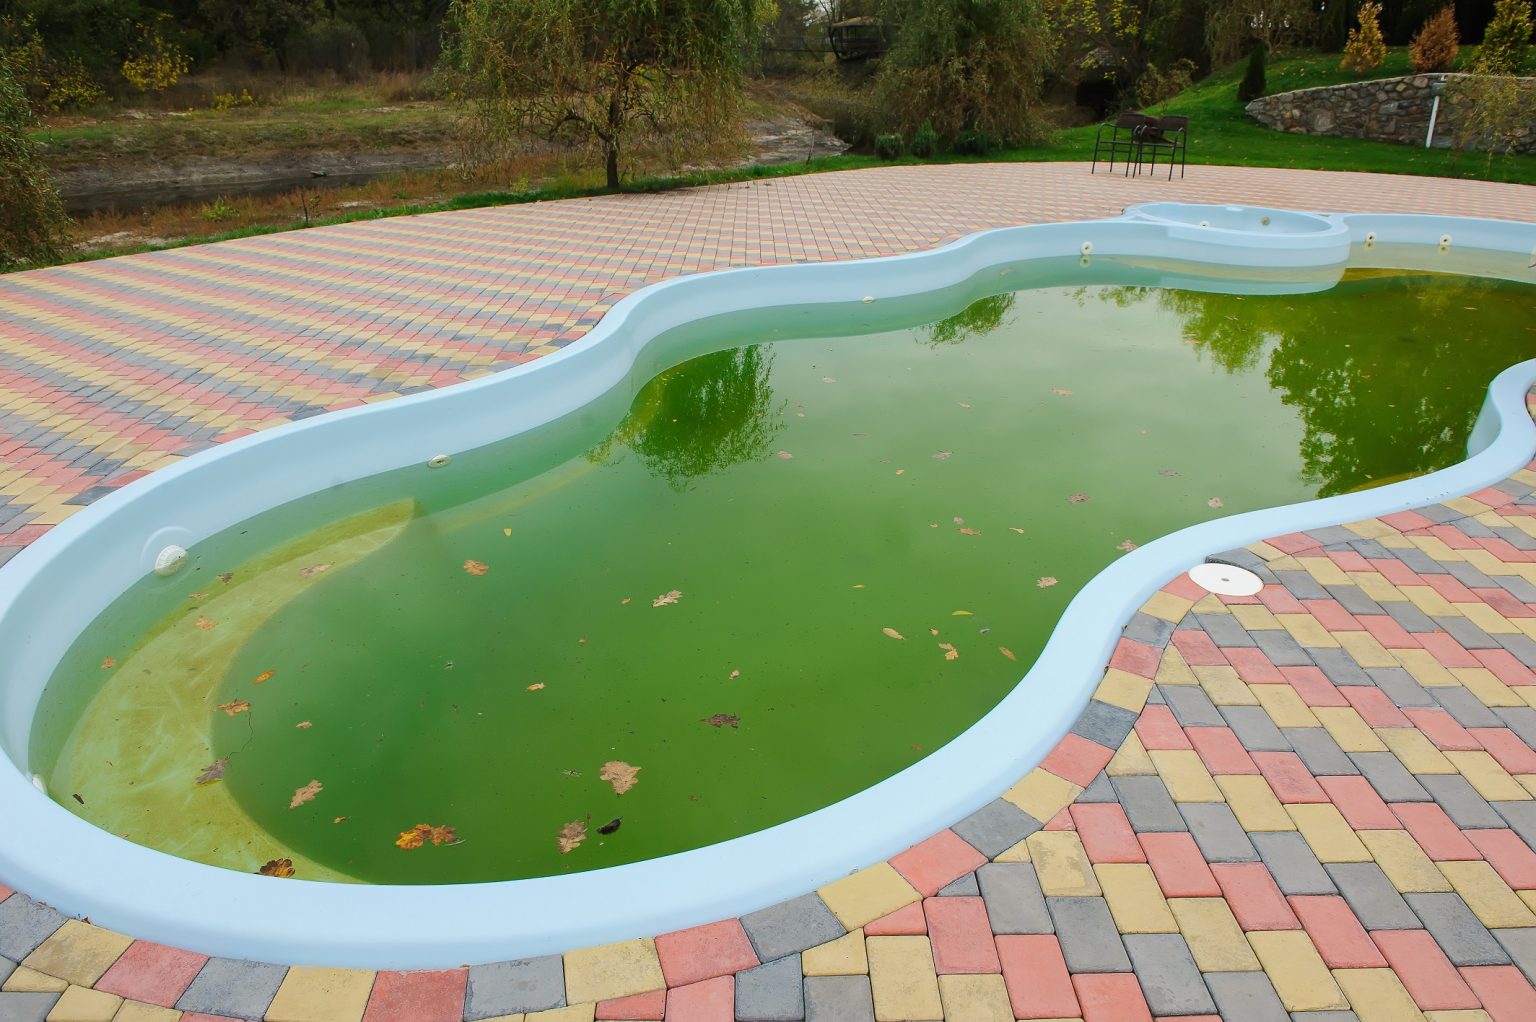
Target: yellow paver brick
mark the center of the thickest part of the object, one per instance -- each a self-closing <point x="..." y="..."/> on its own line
<point x="1375" y="585"/>
<point x="1430" y="602"/>
<point x="1214" y="938"/>
<point x="1366" y="651"/>
<point x="1459" y="1015"/>
<point x="1483" y="772"/>
<point x="1426" y="670"/>
<point x="138" y="1011"/>
<point x="1297" y="971"/>
<point x="1397" y="542"/>
<point x="1525" y="475"/>
<point x="981" y="998"/>
<point x="1488" y="564"/>
<point x="78" y="952"/>
<point x="570" y="1013"/>
<point x="1016" y="853"/>
<point x="1377" y="995"/>
<point x="1488" y="619"/>
<point x="1348" y="729"/>
<point x="1528" y="693"/>
<point x="1415" y="751"/>
<point x="1404" y="862"/>
<point x="1211" y="604"/>
<point x="1254" y="803"/>
<point x="1371" y="528"/>
<point x="80" y="1004"/>
<point x="1061" y="864"/>
<point x="841" y="957"/>
<point x="1324" y="570"/>
<point x="1167" y="606"/>
<point x="1487" y="895"/>
<point x="1481" y="682"/>
<point x="28" y="981"/>
<point x="1331" y="837"/>
<point x="311" y="994"/>
<point x="903" y="979"/>
<point x="1042" y="794"/>
<point x="1266" y="551"/>
<point x="1284" y="706"/>
<point x="1185" y="775"/>
<point x="1123" y="689"/>
<point x="855" y="900"/>
<point x="1135" y="899"/>
<point x="1286" y="563"/>
<point x="1255" y="617"/>
<point x="1436" y="548"/>
<point x="1307" y="630"/>
<point x="615" y="970"/>
<point x="1172" y="670"/>
<point x="1466" y="505"/>
<point x="1224" y="687"/>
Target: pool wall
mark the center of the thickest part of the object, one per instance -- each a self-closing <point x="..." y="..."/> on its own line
<point x="53" y="588"/>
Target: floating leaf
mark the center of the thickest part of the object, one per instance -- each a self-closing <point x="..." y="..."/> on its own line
<point x="1170" y="473"/>
<point x="958" y="520"/>
<point x="620" y="774"/>
<point x="1078" y="498"/>
<point x="506" y="532"/>
<point x="205" y="624"/>
<point x="1015" y="528"/>
<point x="108" y="663"/>
<point x="611" y="826"/>
<point x="1005" y="651"/>
<point x="443" y="835"/>
<point x="828" y="379"/>
<point x="225" y="576"/>
<point x="537" y="686"/>
<point x="950" y="652"/>
<point x="901" y="471"/>
<point x="213" y="771"/>
<point x="942" y="455"/>
<point x="571" y="773"/>
<point x="933" y="632"/>
<point x="341" y="819"/>
<point x="235" y="706"/>
<point x="970" y="532"/>
<point x="960" y="613"/>
<point x="1060" y="391"/>
<point x="409" y="839"/>
<point x="304" y="725"/>
<point x="1045" y="583"/>
<point x="476" y="567"/>
<point x="624" y="601"/>
<point x="571" y="835"/>
<point x="665" y="598"/>
<point x="733" y="676"/>
<point x="263" y="676"/>
<point x="1127" y="546"/>
<point x="859" y="585"/>
<point x="277" y="868"/>
<point x="893" y="633"/>
<point x="315" y="569"/>
<point x="305" y="794"/>
<point x="722" y="720"/>
<point x="964" y="405"/>
<point x="785" y="455"/>
<point x="1214" y="502"/>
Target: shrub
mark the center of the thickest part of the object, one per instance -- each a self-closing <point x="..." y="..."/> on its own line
<point x="333" y="44"/>
<point x="1366" y="48"/>
<point x="1507" y="38"/>
<point x="925" y="141"/>
<point x="1253" y="84"/>
<point x="32" y="220"/>
<point x="230" y="100"/>
<point x="888" y="146"/>
<point x="218" y="211"/>
<point x="1435" y="47"/>
<point x="972" y="142"/>
<point x="157" y="65"/>
<point x="1158" y="86"/>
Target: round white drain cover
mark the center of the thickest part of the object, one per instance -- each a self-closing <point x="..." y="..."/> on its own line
<point x="1225" y="579"/>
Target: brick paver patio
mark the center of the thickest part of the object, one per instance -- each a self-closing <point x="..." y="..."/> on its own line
<point x="1318" y="803"/>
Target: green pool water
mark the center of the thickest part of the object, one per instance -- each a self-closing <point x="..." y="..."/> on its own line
<point x="467" y="648"/>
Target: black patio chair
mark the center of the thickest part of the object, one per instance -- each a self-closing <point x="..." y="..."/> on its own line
<point x="1159" y="135"/>
<point x="1117" y="138"/>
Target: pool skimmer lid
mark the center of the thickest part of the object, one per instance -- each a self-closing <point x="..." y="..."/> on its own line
<point x="1225" y="579"/>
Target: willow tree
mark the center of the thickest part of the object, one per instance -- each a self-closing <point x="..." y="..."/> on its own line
<point x="601" y="76"/>
<point x="33" y="225"/>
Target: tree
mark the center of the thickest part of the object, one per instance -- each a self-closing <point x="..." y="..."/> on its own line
<point x="32" y="219"/>
<point x="1366" y="49"/>
<point x="1253" y="85"/>
<point x="1436" y="45"/>
<point x="599" y="74"/>
<point x="1232" y="25"/>
<point x="971" y="67"/>
<point x="1507" y="39"/>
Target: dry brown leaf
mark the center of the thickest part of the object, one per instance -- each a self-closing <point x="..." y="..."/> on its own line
<point x="1045" y="583"/>
<point x="667" y="598"/>
<point x="950" y="652"/>
<point x="1078" y="498"/>
<point x="970" y="532"/>
<point x="1214" y="502"/>
<point x="893" y="633"/>
<point x="1005" y="651"/>
<point x="205" y="624"/>
<point x="341" y="819"/>
<point x="108" y="663"/>
<point x="263" y="676"/>
<point x="964" y="405"/>
<point x="213" y="771"/>
<point x="225" y="576"/>
<point x="277" y="868"/>
<point x="733" y="676"/>
<point x="1060" y="391"/>
<point x="571" y="835"/>
<point x="537" y="686"/>
<point x="1015" y="528"/>
<point x="901" y="471"/>
<point x="720" y="720"/>
<point x="625" y="600"/>
<point x="413" y="838"/>
<point x="1127" y="546"/>
<point x="198" y="596"/>
<point x="620" y="774"/>
<point x="304" y="725"/>
<point x="943" y="455"/>
<point x="476" y="567"/>
<point x="934" y="632"/>
<point x="315" y="569"/>
<point x="305" y="794"/>
<point x="235" y="706"/>
<point x="786" y="455"/>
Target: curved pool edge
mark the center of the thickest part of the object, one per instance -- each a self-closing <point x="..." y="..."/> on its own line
<point x="729" y="878"/>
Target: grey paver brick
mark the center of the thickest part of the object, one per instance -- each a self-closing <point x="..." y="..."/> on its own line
<point x="6" y="968"/>
<point x="1519" y="588"/>
<point x="1255" y="729"/>
<point x="1147" y="804"/>
<point x="1521" y="720"/>
<point x="1468" y="710"/>
<point x="1100" y="790"/>
<point x="1340" y="667"/>
<point x="839" y="999"/>
<point x="1371" y="895"/>
<point x="1401" y="688"/>
<point x="1104" y="723"/>
<point x="1440" y="514"/>
<point x="1089" y="940"/>
<point x="791" y="926"/>
<point x="1282" y="650"/>
<point x="1243" y="558"/>
<point x="994" y="828"/>
<point x="1302" y="585"/>
<point x="1319" y="751"/>
<point x="1522" y="646"/>
<point x="1192" y="706"/>
<point x="234" y="988"/>
<point x="1224" y="630"/>
<point x="1461" y="802"/>
<point x="1324" y="1016"/>
<point x="1146" y="628"/>
<point x="1353" y="599"/>
<point x="1292" y="863"/>
<point x="1466" y="633"/>
<point x="1458" y="931"/>
<point x="529" y="984"/>
<point x="1470" y="576"/>
<point x="1520" y="943"/>
<point x="1521" y="817"/>
<point x="1370" y="549"/>
<point x="26" y="1007"/>
<point x="1332" y="534"/>
<point x="24" y="924"/>
<point x="1420" y="562"/>
<point x="1246" y="997"/>
<point x="773" y="992"/>
<point x="1410" y="617"/>
<point x="1015" y="903"/>
<point x="1220" y="837"/>
<point x="1389" y="777"/>
<point x="1168" y="976"/>
<point x="960" y="887"/>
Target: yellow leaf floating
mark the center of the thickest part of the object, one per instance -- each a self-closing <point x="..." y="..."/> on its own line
<point x="1045" y="583"/>
<point x="1015" y="528"/>
<point x="1214" y="502"/>
<point x="571" y="835"/>
<point x="409" y="839"/>
<point x="108" y="663"/>
<point x="1127" y="546"/>
<point x="420" y="835"/>
<point x="304" y="725"/>
<point x="950" y="652"/>
<point x="1005" y="651"/>
<point x="506" y="532"/>
<point x="315" y="569"/>
<point x="786" y="455"/>
<point x="305" y="794"/>
<point x="537" y="686"/>
<point x="667" y="598"/>
<point x="234" y="706"/>
<point x="205" y="624"/>
<point x="277" y="868"/>
<point x="893" y="633"/>
<point x="970" y="532"/>
<point x="620" y="774"/>
<point x="476" y="567"/>
<point x="263" y="676"/>
<point x="960" y="613"/>
<point x="733" y="676"/>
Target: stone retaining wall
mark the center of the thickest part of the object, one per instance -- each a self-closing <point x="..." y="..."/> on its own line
<point x="1386" y="109"/>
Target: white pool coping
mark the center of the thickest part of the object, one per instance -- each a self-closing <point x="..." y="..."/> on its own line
<point x="55" y="586"/>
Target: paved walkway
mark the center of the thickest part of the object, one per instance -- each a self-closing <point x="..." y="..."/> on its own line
<point x="1313" y="804"/>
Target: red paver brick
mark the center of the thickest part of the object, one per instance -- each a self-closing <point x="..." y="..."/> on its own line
<point x="1348" y="560"/>
<point x="703" y="952"/>
<point x="1388" y="632"/>
<point x="713" y="1000"/>
<point x="1036" y="976"/>
<point x="643" y="1007"/>
<point x="1186" y="588"/>
<point x="1106" y="833"/>
<point x="1491" y="497"/>
<point x="1197" y="649"/>
<point x="1509" y="856"/>
<point x="961" y="935"/>
<point x="1452" y="537"/>
<point x="1292" y="542"/>
<point x="1359" y="803"/>
<point x="1505" y="992"/>
<point x="1452" y="588"/>
<point x="1254" y="666"/>
<point x="152" y="973"/>
<point x="1432" y="981"/>
<point x="1137" y="658"/>
<point x="905" y="921"/>
<point x="1339" y="937"/>
<point x="1443" y="729"/>
<point x="1313" y="686"/>
<point x="1158" y="728"/>
<point x="1280" y="601"/>
<point x="1434" y="831"/>
<point x="937" y="862"/>
<point x="1061" y="821"/>
<point x="1506" y="747"/>
<point x="1374" y="707"/>
<point x="5" y="892"/>
<point x="1077" y="759"/>
<point x="1111" y="997"/>
<point x="1180" y="869"/>
<point x="1254" y="899"/>
<point x="1404" y="520"/>
<point x="1289" y="777"/>
<point x="1504" y="602"/>
<point x="1505" y="666"/>
<point x="1396" y="572"/>
<point x="1331" y="614"/>
<point x="417" y="996"/>
<point x="1447" y="650"/>
<point x="1220" y="750"/>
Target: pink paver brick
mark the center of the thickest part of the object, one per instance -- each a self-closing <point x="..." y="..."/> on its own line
<point x="704" y="952"/>
<point x="1061" y="821"/>
<point x="197" y="1016"/>
<point x="1106" y="832"/>
<point x="1491" y="497"/>
<point x="1347" y="560"/>
<point x="937" y="862"/>
<point x="1280" y="601"/>
<point x="1180" y="869"/>
<point x="1434" y="831"/>
<point x="1185" y="587"/>
<point x="1388" y="632"/>
<point x="1313" y="686"/>
<point x="1137" y="658"/>
<point x="1292" y="542"/>
<point x="1505" y="666"/>
<point x="642" y="1007"/>
<point x="1447" y="650"/>
<point x="1158" y="728"/>
<point x="417" y="996"/>
<point x="1220" y="750"/>
<point x="713" y="1000"/>
<point x="961" y="935"/>
<point x="1289" y="777"/>
<point x="1197" y="649"/>
<point x="1505" y="603"/>
<point x="1077" y="759"/>
<point x="1442" y="729"/>
<point x="1509" y="856"/>
<point x="1506" y="747"/>
<point x="1452" y="537"/>
<point x="1359" y="803"/>
<point x="1036" y="976"/>
<point x="1451" y="587"/>
<point x="1339" y="937"/>
<point x="1506" y="994"/>
<point x="152" y="973"/>
<point x="1403" y="520"/>
<point x="1396" y="572"/>
<point x="904" y="922"/>
<point x="1374" y="707"/>
<point x="1111" y="997"/>
<point x="5" y="892"/>
<point x="1253" y="897"/>
<point x="1431" y="979"/>
<point x="1331" y="613"/>
<point x="1254" y="666"/>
